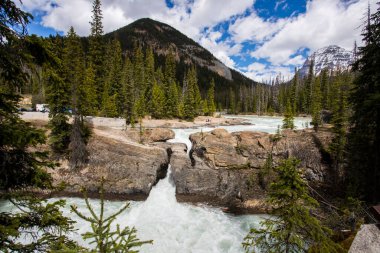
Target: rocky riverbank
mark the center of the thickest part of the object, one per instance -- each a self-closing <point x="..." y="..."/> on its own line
<point x="226" y="168"/>
<point x="222" y="169"/>
<point x="119" y="123"/>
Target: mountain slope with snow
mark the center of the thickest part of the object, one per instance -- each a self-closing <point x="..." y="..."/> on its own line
<point x="331" y="57"/>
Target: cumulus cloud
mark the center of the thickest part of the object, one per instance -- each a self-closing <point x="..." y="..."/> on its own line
<point x="253" y="28"/>
<point x="277" y="40"/>
<point x="326" y="22"/>
<point x="263" y="73"/>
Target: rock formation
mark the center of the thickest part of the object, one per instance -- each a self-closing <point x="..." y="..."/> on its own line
<point x="129" y="169"/>
<point x="223" y="168"/>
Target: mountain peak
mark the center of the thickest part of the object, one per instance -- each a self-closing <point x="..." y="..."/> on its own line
<point x="163" y="38"/>
<point x="331" y="57"/>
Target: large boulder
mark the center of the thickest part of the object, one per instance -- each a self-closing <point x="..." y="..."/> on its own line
<point x="150" y="135"/>
<point x="219" y="148"/>
<point x="224" y="168"/>
<point x="129" y="169"/>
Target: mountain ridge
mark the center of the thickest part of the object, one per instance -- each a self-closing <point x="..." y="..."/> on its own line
<point x="332" y="57"/>
<point x="163" y="37"/>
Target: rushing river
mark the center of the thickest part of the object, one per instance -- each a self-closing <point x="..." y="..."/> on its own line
<point x="179" y="227"/>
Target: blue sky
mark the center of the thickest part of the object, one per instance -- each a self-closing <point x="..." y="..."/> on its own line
<point x="260" y="38"/>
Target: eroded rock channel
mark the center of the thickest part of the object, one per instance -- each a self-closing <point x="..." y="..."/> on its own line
<point x="221" y="168"/>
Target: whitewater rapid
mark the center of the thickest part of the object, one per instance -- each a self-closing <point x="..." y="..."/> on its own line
<point x="174" y="227"/>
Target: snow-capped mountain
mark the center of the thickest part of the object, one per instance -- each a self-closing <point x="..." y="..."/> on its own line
<point x="331" y="57"/>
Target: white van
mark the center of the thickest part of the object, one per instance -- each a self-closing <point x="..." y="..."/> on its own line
<point x="42" y="108"/>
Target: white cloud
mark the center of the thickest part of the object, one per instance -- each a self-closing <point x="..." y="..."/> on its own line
<point x="253" y="28"/>
<point x="325" y="22"/>
<point x="256" y="66"/>
<point x="68" y="14"/>
<point x="263" y="73"/>
<point x="297" y="60"/>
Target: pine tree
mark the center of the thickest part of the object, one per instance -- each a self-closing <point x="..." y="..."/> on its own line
<point x="88" y="95"/>
<point x="191" y="100"/>
<point x="158" y="102"/>
<point x="324" y="88"/>
<point x="129" y="92"/>
<point x="308" y="88"/>
<point x="170" y="67"/>
<point x="113" y="72"/>
<point x="139" y="82"/>
<point x="73" y="63"/>
<point x="293" y="92"/>
<point x="364" y="137"/>
<point x="150" y="77"/>
<point x="96" y="48"/>
<point x="188" y="98"/>
<point x="109" y="108"/>
<point x="74" y="66"/>
<point x="291" y="228"/>
<point x="197" y="94"/>
<point x="171" y="100"/>
<point x="334" y="89"/>
<point x="205" y="107"/>
<point x="316" y="104"/>
<point x="288" y="122"/>
<point x="211" y="99"/>
<point x="77" y="147"/>
<point x="339" y="120"/>
<point x="58" y="97"/>
<point x="231" y="102"/>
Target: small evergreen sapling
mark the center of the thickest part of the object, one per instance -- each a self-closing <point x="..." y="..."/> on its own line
<point x="291" y="228"/>
<point x="121" y="240"/>
<point x="288" y="122"/>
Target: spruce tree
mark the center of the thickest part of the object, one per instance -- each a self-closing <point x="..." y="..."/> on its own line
<point x="231" y="102"/>
<point x="139" y="82"/>
<point x="170" y="87"/>
<point x="192" y="100"/>
<point x="324" y="88"/>
<point x="170" y="67"/>
<point x="73" y="63"/>
<point x="171" y="100"/>
<point x="364" y="137"/>
<point x="293" y="92"/>
<point x="288" y="121"/>
<point x="149" y="77"/>
<point x="74" y="67"/>
<point x="188" y="98"/>
<point x="339" y="120"/>
<point x="113" y="75"/>
<point x="205" y="107"/>
<point x="158" y="102"/>
<point x="316" y="104"/>
<point x="129" y="92"/>
<point x="59" y="99"/>
<point x="197" y="94"/>
<point x="308" y="88"/>
<point x="88" y="95"/>
<point x="96" y="48"/>
<point x="211" y="99"/>
<point x="291" y="228"/>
